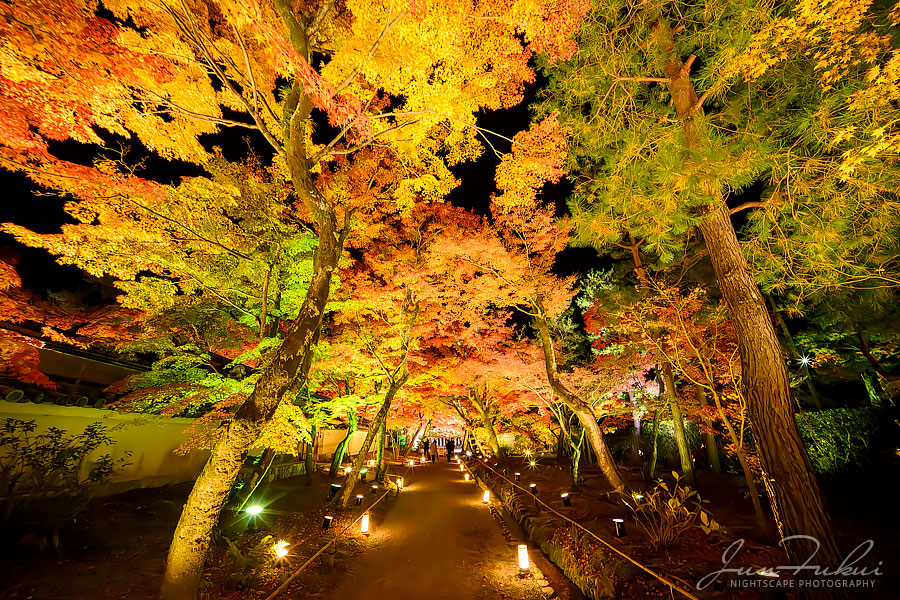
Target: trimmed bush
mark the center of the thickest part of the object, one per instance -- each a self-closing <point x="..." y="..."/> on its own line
<point x="839" y="440"/>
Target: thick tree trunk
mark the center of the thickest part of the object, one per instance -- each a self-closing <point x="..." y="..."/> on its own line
<point x="343" y="498"/>
<point x="684" y="451"/>
<point x="191" y="541"/>
<point x="795" y="493"/>
<point x="338" y="458"/>
<point x="796" y="496"/>
<point x="581" y="409"/>
<point x="712" y="446"/>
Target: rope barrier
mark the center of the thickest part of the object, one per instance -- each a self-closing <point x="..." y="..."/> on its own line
<point x="661" y="578"/>
<point x="333" y="541"/>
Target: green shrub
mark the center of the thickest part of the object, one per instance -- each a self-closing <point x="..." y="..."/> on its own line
<point x="39" y="470"/>
<point x="838" y="440"/>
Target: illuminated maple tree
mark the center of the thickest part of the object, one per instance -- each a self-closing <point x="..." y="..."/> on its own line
<point x="407" y="77"/>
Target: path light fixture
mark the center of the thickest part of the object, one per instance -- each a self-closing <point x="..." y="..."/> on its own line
<point x="487" y="496"/>
<point x="254" y="509"/>
<point x="326" y="522"/>
<point x="533" y="487"/>
<point x="620" y="527"/>
<point x="504" y="471"/>
<point x="518" y="477"/>
<point x="638" y="497"/>
<point x="399" y="483"/>
<point x="364" y="524"/>
<point x="423" y="459"/>
<point x="566" y="500"/>
<point x="528" y="453"/>
<point x="523" y="558"/>
<point x="371" y="463"/>
<point x="467" y="477"/>
<point x="348" y="470"/>
<point x="411" y="462"/>
<point x="280" y="548"/>
<point x="469" y="453"/>
<point x="533" y="464"/>
<point x="334" y="489"/>
<point x="374" y="489"/>
<point x="359" y="498"/>
<point x="363" y="473"/>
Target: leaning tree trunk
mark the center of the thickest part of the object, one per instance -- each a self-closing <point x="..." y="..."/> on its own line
<point x="191" y="541"/>
<point x="582" y="410"/>
<point x="684" y="451"/>
<point x="343" y="498"/>
<point x="338" y="458"/>
<point x="412" y="440"/>
<point x="257" y="474"/>
<point x="795" y="493"/>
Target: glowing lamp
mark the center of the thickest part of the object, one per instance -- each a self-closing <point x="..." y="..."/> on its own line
<point x="399" y="483"/>
<point x="254" y="510"/>
<point x="348" y="470"/>
<point x="423" y="459"/>
<point x="487" y="496"/>
<point x="533" y="487"/>
<point x="333" y="490"/>
<point x="620" y="527"/>
<point x="528" y="453"/>
<point x="280" y="548"/>
<point x="364" y="524"/>
<point x="468" y="453"/>
<point x="638" y="497"/>
<point x="518" y="477"/>
<point x="326" y="522"/>
<point x="411" y="462"/>
<point x="374" y="489"/>
<point x="359" y="498"/>
<point x="466" y="476"/>
<point x="532" y="463"/>
<point x="523" y="557"/>
<point x="371" y="463"/>
<point x="566" y="500"/>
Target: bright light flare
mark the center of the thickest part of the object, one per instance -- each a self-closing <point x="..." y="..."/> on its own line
<point x="487" y="496"/>
<point x="254" y="510"/>
<point x="281" y="548"/>
<point x="466" y="476"/>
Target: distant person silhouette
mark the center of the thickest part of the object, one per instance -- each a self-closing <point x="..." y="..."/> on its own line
<point x="450" y="447"/>
<point x="425" y="448"/>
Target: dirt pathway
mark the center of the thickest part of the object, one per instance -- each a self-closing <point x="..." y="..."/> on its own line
<point x="438" y="541"/>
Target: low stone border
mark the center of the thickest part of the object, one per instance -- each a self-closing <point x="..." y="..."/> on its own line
<point x="588" y="564"/>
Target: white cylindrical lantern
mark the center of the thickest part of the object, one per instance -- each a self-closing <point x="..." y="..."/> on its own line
<point x="487" y="496"/>
<point x="399" y="483"/>
<point x="467" y="476"/>
<point x="364" y="524"/>
<point x="523" y="557"/>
